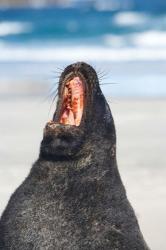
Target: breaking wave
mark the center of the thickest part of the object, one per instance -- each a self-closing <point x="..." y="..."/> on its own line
<point x="46" y="54"/>
<point x="14" y="28"/>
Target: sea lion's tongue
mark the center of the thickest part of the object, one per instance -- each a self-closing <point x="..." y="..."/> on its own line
<point x="73" y="102"/>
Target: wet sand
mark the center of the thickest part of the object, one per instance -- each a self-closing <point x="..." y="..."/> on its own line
<point x="141" y="133"/>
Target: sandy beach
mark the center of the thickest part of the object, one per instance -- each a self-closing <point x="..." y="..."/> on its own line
<point x="141" y="155"/>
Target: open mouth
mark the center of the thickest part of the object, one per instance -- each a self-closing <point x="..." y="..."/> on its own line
<point x="73" y="100"/>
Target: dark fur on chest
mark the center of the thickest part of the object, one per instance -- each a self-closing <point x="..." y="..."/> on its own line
<point x="70" y="209"/>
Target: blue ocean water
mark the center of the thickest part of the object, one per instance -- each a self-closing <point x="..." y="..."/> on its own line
<point x="130" y="46"/>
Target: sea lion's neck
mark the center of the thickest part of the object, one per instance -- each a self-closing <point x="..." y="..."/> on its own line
<point x="80" y="180"/>
<point x="95" y="162"/>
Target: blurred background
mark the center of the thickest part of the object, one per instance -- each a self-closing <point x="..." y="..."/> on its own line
<point x="125" y="41"/>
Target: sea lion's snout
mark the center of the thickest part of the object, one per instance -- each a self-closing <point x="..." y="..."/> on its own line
<point x="80" y="108"/>
<point x="76" y="86"/>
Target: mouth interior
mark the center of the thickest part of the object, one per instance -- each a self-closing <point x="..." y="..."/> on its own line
<point x="73" y="102"/>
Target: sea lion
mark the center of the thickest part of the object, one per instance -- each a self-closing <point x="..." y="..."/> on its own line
<point x="73" y="198"/>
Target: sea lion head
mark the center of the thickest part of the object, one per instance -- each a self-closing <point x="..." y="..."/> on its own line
<point x="82" y="116"/>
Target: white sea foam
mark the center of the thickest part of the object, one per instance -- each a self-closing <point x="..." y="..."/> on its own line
<point x="150" y="39"/>
<point x="13" y="28"/>
<point x="43" y="54"/>
<point x="129" y="18"/>
<point x="147" y="39"/>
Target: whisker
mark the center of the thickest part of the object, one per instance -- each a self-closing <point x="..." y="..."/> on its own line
<point x="57" y="71"/>
<point x="54" y="95"/>
<point x="107" y="83"/>
<point x="51" y="92"/>
<point x="55" y="75"/>
<point x="61" y="69"/>
<point x="102" y="78"/>
<point x="47" y="97"/>
<point x="100" y="70"/>
<point x="53" y="89"/>
<point x="102" y="73"/>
